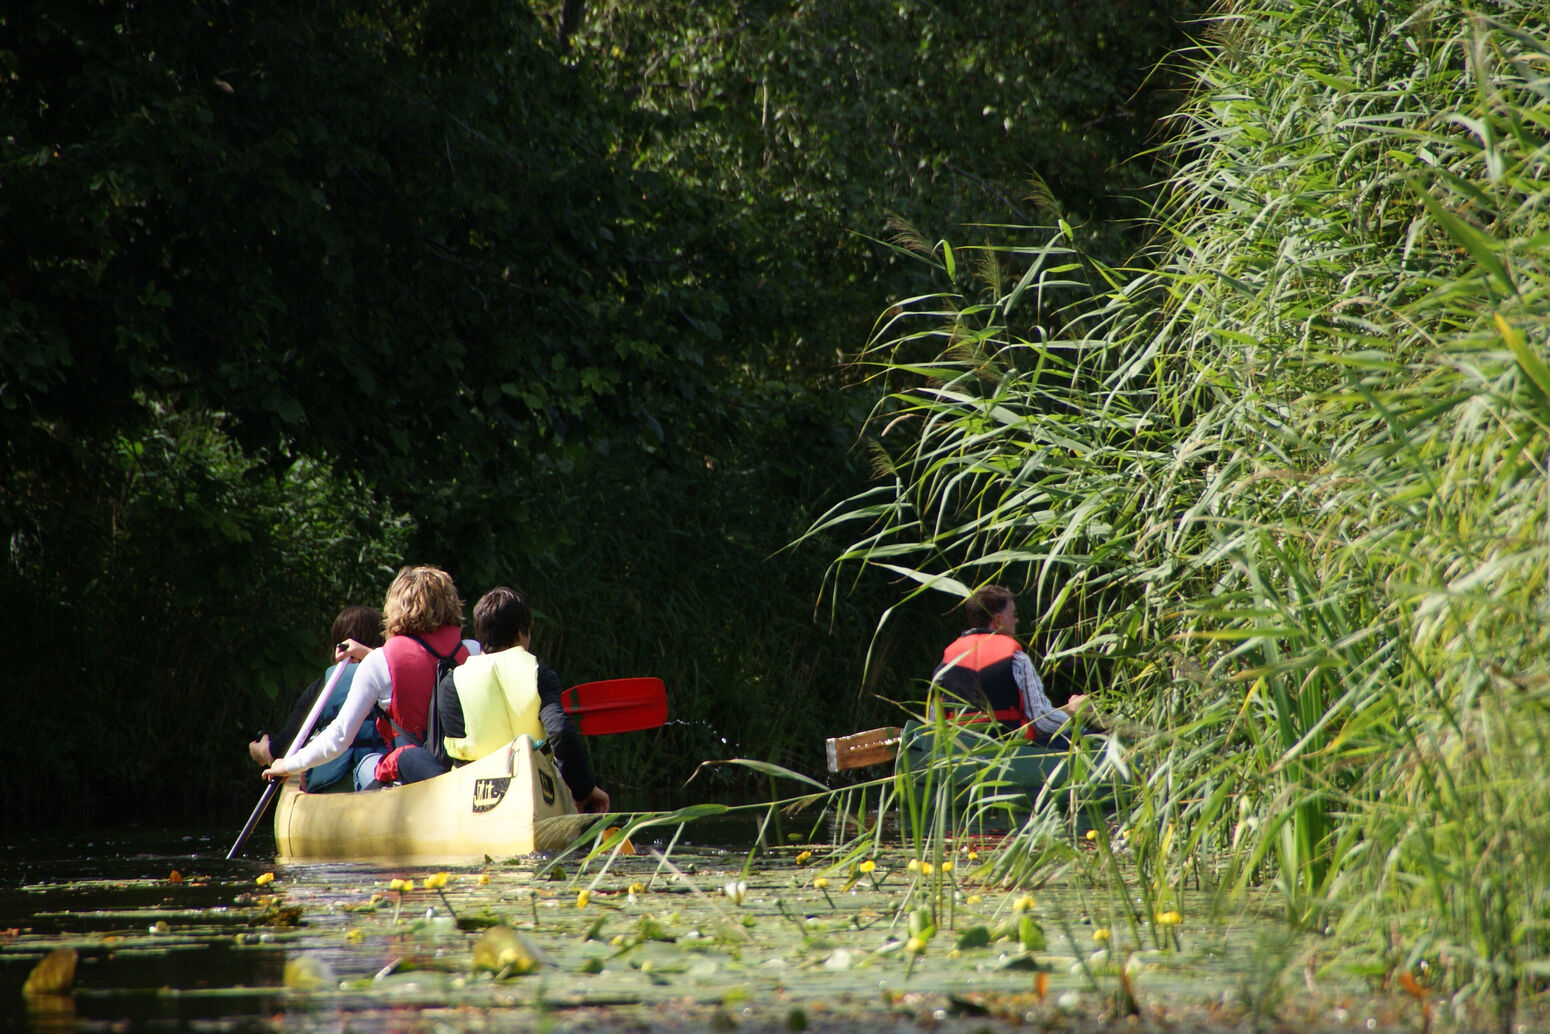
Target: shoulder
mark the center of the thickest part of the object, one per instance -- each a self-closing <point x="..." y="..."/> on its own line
<point x="374" y="666"/>
<point x="478" y="668"/>
<point x="372" y="674"/>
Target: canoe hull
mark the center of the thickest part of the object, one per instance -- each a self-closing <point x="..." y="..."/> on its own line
<point x="512" y="802"/>
<point x="983" y="768"/>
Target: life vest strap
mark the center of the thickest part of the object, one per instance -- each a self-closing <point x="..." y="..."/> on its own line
<point x="1007" y="714"/>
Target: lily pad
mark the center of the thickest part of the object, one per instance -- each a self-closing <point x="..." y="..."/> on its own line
<point x="54" y="974"/>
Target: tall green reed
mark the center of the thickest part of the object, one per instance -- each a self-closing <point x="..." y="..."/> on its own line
<point x="1284" y="475"/>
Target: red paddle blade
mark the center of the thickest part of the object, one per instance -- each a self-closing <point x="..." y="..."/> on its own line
<point x="617" y="705"/>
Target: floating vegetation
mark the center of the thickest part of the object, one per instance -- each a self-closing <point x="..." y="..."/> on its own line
<point x="55" y="974"/>
<point x="838" y="940"/>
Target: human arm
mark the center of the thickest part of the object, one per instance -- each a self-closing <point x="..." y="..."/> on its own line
<point x="353" y="650"/>
<point x="595" y="802"/>
<point x="449" y="711"/>
<point x="367" y="688"/>
<point x="1045" y="716"/>
<point x="570" y="753"/>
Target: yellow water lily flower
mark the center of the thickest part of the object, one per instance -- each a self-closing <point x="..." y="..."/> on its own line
<point x="484" y="879"/>
<point x="436" y="882"/>
<point x="265" y="880"/>
<point x="1101" y="935"/>
<point x="926" y="868"/>
<point x="947" y="866"/>
<point x="915" y="945"/>
<point x="582" y="898"/>
<point x="1092" y="834"/>
<point x="803" y="857"/>
<point x="637" y="888"/>
<point x="1168" y="919"/>
<point x="914" y="865"/>
<point x="820" y="883"/>
<point x="1023" y="903"/>
<point x="867" y="866"/>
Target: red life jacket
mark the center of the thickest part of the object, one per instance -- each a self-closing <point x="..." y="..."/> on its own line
<point x="412" y="670"/>
<point x="976" y="669"/>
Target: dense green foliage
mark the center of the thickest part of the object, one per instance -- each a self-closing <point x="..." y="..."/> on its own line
<point x="811" y="123"/>
<point x="388" y="237"/>
<point x="296" y="293"/>
<point x="1286" y="481"/>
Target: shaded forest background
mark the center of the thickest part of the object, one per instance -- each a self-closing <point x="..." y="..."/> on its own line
<point x="560" y="297"/>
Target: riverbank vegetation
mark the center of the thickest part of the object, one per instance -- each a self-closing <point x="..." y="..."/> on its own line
<point x="1277" y="493"/>
<point x="295" y="294"/>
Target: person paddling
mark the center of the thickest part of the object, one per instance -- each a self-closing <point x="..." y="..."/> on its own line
<point x="362" y="625"/>
<point x="505" y="692"/>
<point x="986" y="668"/>
<point x="422" y="621"/>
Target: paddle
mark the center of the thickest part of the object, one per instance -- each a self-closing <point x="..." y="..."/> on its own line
<point x="301" y="737"/>
<point x="617" y="705"/>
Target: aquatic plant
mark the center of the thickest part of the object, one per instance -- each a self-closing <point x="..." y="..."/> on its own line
<point x="1278" y="490"/>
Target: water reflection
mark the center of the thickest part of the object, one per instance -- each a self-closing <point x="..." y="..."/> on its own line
<point x="50" y="1014"/>
<point x="150" y="915"/>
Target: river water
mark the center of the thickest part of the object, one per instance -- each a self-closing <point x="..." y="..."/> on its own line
<point x="711" y="936"/>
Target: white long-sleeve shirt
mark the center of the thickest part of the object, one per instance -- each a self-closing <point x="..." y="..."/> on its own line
<point x="370" y="686"/>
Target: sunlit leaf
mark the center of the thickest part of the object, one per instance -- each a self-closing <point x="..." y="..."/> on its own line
<point x="54" y="973"/>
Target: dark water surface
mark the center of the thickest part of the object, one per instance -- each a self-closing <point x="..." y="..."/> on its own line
<point x="714" y="937"/>
<point x="141" y="938"/>
<point x="169" y="934"/>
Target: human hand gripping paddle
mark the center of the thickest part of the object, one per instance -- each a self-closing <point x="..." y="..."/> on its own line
<point x="301" y="738"/>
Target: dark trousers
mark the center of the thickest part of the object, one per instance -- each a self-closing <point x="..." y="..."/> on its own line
<point x="416" y="763"/>
<point x="1061" y="739"/>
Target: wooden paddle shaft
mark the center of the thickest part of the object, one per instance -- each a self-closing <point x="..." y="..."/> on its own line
<point x="301" y="738"/>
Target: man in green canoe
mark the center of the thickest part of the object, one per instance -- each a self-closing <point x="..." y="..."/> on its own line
<point x="986" y="668"/>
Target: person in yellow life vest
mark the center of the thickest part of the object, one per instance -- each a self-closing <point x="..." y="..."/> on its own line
<point x="504" y="692"/>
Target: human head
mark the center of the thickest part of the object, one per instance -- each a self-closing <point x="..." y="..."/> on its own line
<point x="363" y="624"/>
<point x="985" y="605"/>
<point x="421" y="600"/>
<point x="502" y="619"/>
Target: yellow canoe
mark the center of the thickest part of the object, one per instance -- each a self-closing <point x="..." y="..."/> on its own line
<point x="512" y="802"/>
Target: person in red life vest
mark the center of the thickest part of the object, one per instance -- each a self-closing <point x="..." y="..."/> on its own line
<point x="987" y="669"/>
<point x="422" y="620"/>
<point x="504" y="692"/>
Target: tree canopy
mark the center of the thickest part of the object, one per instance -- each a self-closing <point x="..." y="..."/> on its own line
<point x="294" y="293"/>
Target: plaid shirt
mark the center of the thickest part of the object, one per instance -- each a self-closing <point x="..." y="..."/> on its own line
<point x="1045" y="717"/>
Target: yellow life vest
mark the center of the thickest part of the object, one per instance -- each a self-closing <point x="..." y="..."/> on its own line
<point x="499" y="694"/>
